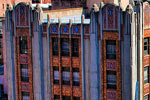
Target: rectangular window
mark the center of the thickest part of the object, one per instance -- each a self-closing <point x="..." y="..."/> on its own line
<point x="76" y="79"/>
<point x="110" y="49"/>
<point x="1" y="70"/>
<point x="75" y="48"/>
<point x="56" y="75"/>
<point x="25" y="96"/>
<point x="24" y="73"/>
<point x="146" y="47"/>
<point x="65" y="75"/>
<point x="146" y="97"/>
<point x="64" y="47"/>
<point x="55" y="46"/>
<point x="23" y="46"/>
<point x="76" y="98"/>
<point x="111" y="80"/>
<point x="66" y="98"/>
<point x="56" y="97"/>
<point x="1" y="90"/>
<point x="146" y="74"/>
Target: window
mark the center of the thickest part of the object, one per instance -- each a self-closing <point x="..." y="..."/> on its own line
<point x="3" y="6"/>
<point x="146" y="97"/>
<point x="146" y="74"/>
<point x="66" y="98"/>
<point x="25" y="96"/>
<point x="56" y="97"/>
<point x="1" y="90"/>
<point x="111" y="49"/>
<point x="1" y="70"/>
<point x="65" y="75"/>
<point x="0" y="43"/>
<point x="35" y="1"/>
<point x="23" y="45"/>
<point x="75" y="48"/>
<point x="76" y="98"/>
<point x="64" y="47"/>
<point x="111" y="80"/>
<point x="24" y="73"/>
<point x="76" y="78"/>
<point x="55" y="46"/>
<point x="56" y="75"/>
<point x="146" y="47"/>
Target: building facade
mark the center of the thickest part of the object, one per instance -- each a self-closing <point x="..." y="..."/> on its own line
<point x="61" y="55"/>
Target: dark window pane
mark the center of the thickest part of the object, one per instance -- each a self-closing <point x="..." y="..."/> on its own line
<point x="66" y="98"/>
<point x="25" y="96"/>
<point x="75" y="48"/>
<point x="64" y="47"/>
<point x="1" y="70"/>
<point x="56" y="97"/>
<point x="1" y="90"/>
<point x="56" y="75"/>
<point x="65" y="75"/>
<point x="23" y="46"/>
<point x="111" y="49"/>
<point x="146" y="74"/>
<point x="76" y="98"/>
<point x="111" y="80"/>
<point x="146" y="97"/>
<point x="55" y="46"/>
<point x="24" y="73"/>
<point x="146" y="47"/>
<point x="76" y="79"/>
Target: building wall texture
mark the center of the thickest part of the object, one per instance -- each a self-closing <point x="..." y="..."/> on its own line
<point x="108" y="22"/>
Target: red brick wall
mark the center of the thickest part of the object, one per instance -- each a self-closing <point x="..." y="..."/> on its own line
<point x="24" y="32"/>
<point x="72" y="62"/>
<point x="146" y="62"/>
<point x="104" y="90"/>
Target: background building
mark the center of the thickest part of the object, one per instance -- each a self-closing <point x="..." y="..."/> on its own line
<point x="61" y="55"/>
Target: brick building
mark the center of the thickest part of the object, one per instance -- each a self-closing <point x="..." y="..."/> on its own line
<point x="61" y="55"/>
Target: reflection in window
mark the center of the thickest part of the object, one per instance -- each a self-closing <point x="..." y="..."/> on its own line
<point x="111" y="80"/>
<point x="110" y="49"/>
<point x="24" y="73"/>
<point x="65" y="75"/>
<point x="25" y="96"/>
<point x="146" y="47"/>
<point x="23" y="45"/>
<point x="55" y="46"/>
<point x="64" y="47"/>
<point x="146" y="74"/>
<point x="75" y="48"/>
<point x="76" y="78"/>
<point x="56" y="75"/>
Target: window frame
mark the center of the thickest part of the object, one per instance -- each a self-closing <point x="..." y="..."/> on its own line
<point x="56" y="82"/>
<point x="111" y="80"/>
<point x="26" y="68"/>
<point x="74" y="82"/>
<point x="75" y="47"/>
<point x="23" y="45"/>
<point x="56" y="97"/>
<point x="146" y="45"/>
<point x="65" y="71"/>
<point x="65" y="47"/>
<point x="146" y="68"/>
<point x="111" y="49"/>
<point x="54" y="46"/>
<point x="25" y="94"/>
